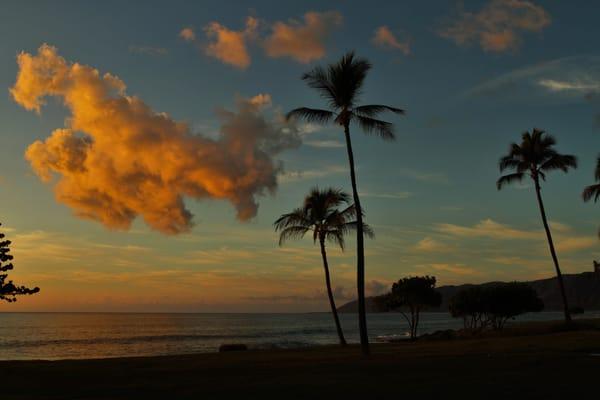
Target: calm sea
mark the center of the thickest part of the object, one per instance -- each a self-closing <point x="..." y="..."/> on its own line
<point x="54" y="336"/>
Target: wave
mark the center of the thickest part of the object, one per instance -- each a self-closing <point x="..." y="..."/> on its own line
<point x="172" y="338"/>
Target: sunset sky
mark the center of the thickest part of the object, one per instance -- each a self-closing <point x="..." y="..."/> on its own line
<point x="144" y="153"/>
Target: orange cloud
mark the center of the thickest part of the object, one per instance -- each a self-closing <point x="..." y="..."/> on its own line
<point x="117" y="159"/>
<point x="188" y="34"/>
<point x="386" y="39"/>
<point x="304" y="42"/>
<point x="229" y="46"/>
<point x="498" y="25"/>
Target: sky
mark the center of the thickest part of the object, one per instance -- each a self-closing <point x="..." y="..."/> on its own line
<point x="145" y="155"/>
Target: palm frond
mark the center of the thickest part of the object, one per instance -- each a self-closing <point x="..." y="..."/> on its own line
<point x="559" y="161"/>
<point x="509" y="178"/>
<point x="311" y="115"/>
<point x="597" y="170"/>
<point x="318" y="78"/>
<point x="383" y="129"/>
<point x="347" y="77"/>
<point x="298" y="217"/>
<point x="509" y="162"/>
<point x="591" y="191"/>
<point x="292" y="232"/>
<point x="374" y="110"/>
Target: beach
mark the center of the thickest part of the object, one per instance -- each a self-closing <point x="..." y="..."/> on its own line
<point x="535" y="360"/>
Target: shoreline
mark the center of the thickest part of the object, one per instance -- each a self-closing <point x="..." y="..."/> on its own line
<point x="535" y="359"/>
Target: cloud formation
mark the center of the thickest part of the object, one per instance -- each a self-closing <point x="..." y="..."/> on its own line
<point x="117" y="159"/>
<point x="386" y="39"/>
<point x="187" y="34"/>
<point x="498" y="26"/>
<point x="302" y="41"/>
<point x="229" y="46"/>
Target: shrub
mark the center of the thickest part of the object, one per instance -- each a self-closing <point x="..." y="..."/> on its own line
<point x="493" y="305"/>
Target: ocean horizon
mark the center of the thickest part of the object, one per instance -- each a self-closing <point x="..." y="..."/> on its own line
<point x="83" y="335"/>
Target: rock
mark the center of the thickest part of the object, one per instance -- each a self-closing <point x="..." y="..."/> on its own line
<point x="232" y="347"/>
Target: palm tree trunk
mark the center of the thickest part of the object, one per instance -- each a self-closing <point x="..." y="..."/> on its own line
<point x="360" y="251"/>
<point x="338" y="326"/>
<point x="559" y="277"/>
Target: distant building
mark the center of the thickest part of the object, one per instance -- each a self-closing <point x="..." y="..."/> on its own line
<point x="597" y="267"/>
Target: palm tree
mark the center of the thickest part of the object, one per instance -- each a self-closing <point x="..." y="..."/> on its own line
<point x="536" y="156"/>
<point x="593" y="190"/>
<point x="340" y="84"/>
<point x="320" y="215"/>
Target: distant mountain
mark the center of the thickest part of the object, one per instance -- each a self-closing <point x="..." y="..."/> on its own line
<point x="583" y="290"/>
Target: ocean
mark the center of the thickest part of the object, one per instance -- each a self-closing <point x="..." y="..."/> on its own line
<point x="53" y="336"/>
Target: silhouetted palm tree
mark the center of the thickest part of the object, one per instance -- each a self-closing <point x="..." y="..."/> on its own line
<point x="593" y="190"/>
<point x="534" y="157"/>
<point x="320" y="215"/>
<point x="340" y="85"/>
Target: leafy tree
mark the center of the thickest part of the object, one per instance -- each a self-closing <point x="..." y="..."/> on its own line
<point x="321" y="216"/>
<point x="593" y="191"/>
<point x="534" y="157"/>
<point x="493" y="305"/>
<point x="8" y="290"/>
<point x="340" y="84"/>
<point x="410" y="296"/>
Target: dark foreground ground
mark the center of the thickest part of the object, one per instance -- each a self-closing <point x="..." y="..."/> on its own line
<point x="533" y="361"/>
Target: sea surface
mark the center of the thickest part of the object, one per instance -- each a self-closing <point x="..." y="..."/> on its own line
<point x="52" y="336"/>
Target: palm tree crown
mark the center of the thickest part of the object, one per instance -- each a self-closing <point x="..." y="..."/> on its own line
<point x="593" y="190"/>
<point x="340" y="85"/>
<point x="535" y="156"/>
<point x="320" y="214"/>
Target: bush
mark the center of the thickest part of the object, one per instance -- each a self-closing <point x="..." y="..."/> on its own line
<point x="493" y="305"/>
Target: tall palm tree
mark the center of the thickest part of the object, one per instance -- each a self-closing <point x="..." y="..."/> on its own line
<point x="320" y="215"/>
<point x="534" y="157"/>
<point x="340" y="84"/>
<point x="593" y="190"/>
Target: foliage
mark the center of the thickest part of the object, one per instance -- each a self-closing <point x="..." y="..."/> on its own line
<point x="8" y="290"/>
<point x="493" y="305"/>
<point x="340" y="84"/>
<point x="534" y="157"/>
<point x="593" y="191"/>
<point x="321" y="216"/>
<point x="410" y="296"/>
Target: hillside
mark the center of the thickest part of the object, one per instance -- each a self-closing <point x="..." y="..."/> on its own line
<point x="583" y="290"/>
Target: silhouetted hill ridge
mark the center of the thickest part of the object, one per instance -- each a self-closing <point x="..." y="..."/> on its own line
<point x="583" y="290"/>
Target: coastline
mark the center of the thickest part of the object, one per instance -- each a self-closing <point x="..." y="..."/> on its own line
<point x="534" y="359"/>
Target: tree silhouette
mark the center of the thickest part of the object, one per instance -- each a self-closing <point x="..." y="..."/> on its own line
<point x="593" y="191"/>
<point x="413" y="294"/>
<point x="340" y="84"/>
<point x="534" y="157"/>
<point x="320" y="215"/>
<point x="8" y="290"/>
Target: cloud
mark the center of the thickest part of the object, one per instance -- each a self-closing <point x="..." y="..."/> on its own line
<point x="375" y="287"/>
<point x="565" y="239"/>
<point x="498" y="26"/>
<point x="432" y="177"/>
<point x="577" y="86"/>
<point x="302" y="41"/>
<point x="457" y="269"/>
<point x="324" y="144"/>
<point x="188" y="34"/>
<point x="117" y="159"/>
<point x="294" y="176"/>
<point x="229" y="46"/>
<point x="393" y="196"/>
<point x="428" y="244"/>
<point x="386" y="39"/>
<point x="148" y="50"/>
<point x="488" y="228"/>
